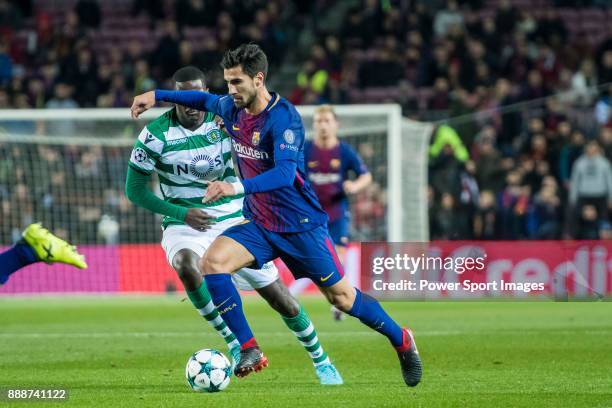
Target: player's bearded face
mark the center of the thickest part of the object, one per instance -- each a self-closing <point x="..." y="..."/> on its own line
<point x="241" y="87"/>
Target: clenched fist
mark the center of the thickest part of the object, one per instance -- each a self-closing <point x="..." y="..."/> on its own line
<point x="142" y="103"/>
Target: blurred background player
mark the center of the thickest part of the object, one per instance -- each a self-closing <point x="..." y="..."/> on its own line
<point x="186" y="149"/>
<point x="38" y="245"/>
<point x="330" y="164"/>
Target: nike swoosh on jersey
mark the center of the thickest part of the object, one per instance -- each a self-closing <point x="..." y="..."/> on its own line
<point x="327" y="277"/>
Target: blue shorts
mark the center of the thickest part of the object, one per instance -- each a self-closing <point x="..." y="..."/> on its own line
<point x="310" y="254"/>
<point x="339" y="230"/>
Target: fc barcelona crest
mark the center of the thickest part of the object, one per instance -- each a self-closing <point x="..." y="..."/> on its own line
<point x="256" y="138"/>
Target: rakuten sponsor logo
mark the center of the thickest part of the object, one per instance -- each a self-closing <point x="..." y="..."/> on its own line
<point x="249" y="152"/>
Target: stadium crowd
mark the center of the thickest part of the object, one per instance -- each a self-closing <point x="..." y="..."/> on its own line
<point x="77" y="192"/>
<point x="525" y="154"/>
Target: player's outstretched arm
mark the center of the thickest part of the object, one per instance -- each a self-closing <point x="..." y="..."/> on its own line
<point x="355" y="186"/>
<point x="288" y="139"/>
<point x="355" y="164"/>
<point x="200" y="100"/>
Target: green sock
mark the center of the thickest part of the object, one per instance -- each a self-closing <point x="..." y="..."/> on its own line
<point x="203" y="302"/>
<point x="306" y="334"/>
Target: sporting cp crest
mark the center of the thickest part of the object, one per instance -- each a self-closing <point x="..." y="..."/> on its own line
<point x="213" y="136"/>
<point x="256" y="138"/>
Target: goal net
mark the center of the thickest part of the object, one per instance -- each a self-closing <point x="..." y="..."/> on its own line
<point x="66" y="169"/>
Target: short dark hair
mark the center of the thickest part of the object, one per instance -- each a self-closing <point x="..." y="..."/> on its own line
<point x="189" y="73"/>
<point x="250" y="56"/>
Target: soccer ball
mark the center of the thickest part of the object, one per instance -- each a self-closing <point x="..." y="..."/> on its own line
<point x="208" y="371"/>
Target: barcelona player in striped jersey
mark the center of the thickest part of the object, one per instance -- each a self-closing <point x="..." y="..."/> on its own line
<point x="186" y="148"/>
<point x="283" y="216"/>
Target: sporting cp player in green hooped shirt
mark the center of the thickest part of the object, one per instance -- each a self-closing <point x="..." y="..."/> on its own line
<point x="186" y="148"/>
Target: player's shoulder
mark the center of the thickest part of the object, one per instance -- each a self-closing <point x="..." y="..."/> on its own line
<point x="227" y="108"/>
<point x="281" y="110"/>
<point x="280" y="102"/>
<point x="159" y="126"/>
<point x="346" y="148"/>
<point x="285" y="120"/>
<point x="349" y="153"/>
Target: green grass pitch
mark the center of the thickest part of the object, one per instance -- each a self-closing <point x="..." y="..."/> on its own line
<point x="131" y="352"/>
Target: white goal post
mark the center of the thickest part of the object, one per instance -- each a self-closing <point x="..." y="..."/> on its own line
<point x="394" y="148"/>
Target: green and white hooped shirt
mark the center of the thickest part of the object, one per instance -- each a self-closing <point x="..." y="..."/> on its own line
<point x="183" y="160"/>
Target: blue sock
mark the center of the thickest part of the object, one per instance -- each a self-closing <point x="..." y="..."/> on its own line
<point x="228" y="302"/>
<point x="15" y="258"/>
<point x="368" y="310"/>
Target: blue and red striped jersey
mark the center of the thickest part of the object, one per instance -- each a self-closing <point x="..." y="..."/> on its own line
<point x="327" y="170"/>
<point x="269" y="149"/>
